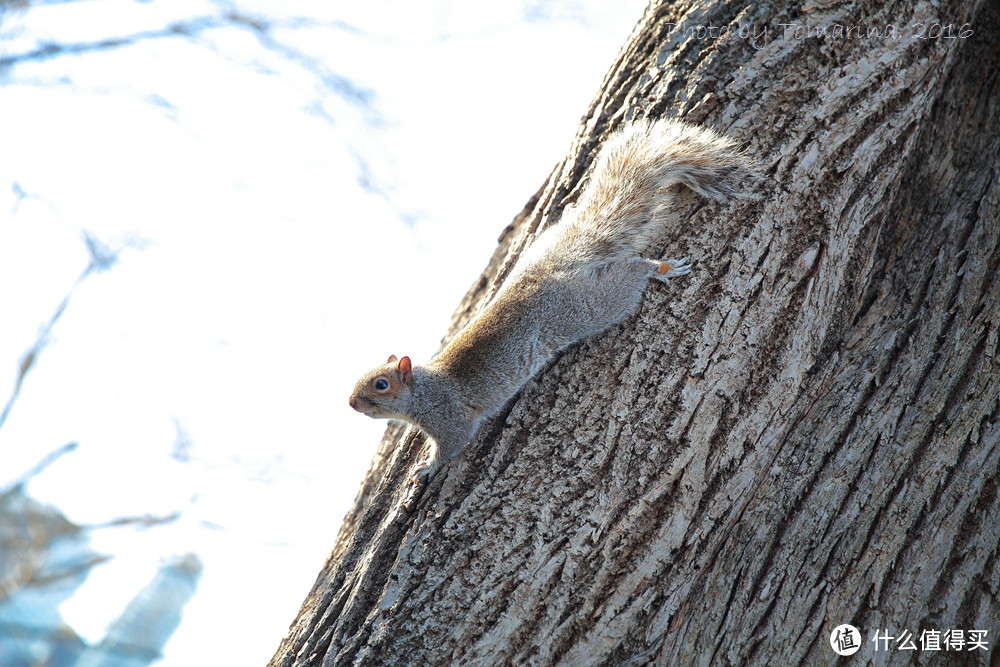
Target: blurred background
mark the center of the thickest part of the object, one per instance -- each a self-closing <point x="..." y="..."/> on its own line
<point x="214" y="216"/>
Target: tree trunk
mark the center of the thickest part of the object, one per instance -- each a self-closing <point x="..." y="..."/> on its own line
<point x="800" y="434"/>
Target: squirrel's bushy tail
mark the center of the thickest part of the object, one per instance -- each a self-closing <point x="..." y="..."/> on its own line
<point x="626" y="188"/>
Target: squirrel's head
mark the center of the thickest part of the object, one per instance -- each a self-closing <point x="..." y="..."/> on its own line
<point x="384" y="393"/>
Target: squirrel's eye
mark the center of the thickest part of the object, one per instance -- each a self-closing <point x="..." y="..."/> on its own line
<point x="381" y="384"/>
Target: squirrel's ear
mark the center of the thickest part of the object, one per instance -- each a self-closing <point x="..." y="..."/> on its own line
<point x="392" y="358"/>
<point x="405" y="369"/>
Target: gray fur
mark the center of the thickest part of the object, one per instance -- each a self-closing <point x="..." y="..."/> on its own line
<point x="578" y="278"/>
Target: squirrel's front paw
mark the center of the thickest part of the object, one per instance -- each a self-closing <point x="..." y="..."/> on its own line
<point x="423" y="472"/>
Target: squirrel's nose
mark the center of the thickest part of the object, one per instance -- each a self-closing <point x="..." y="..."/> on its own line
<point x="351" y="402"/>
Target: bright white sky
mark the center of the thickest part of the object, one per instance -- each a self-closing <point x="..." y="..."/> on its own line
<point x="267" y="279"/>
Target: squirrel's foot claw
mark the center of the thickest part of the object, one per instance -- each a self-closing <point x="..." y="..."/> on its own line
<point x="423" y="472"/>
<point x="671" y="268"/>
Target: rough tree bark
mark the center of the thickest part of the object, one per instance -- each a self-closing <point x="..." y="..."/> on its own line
<point x="802" y="433"/>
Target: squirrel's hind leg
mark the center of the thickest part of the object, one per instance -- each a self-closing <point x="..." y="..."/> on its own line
<point x="665" y="269"/>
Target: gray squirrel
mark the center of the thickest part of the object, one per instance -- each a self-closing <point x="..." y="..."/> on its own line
<point x="578" y="278"/>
